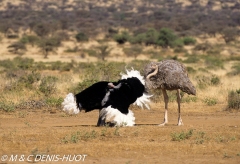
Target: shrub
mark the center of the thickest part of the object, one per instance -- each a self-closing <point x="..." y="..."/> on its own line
<point x="178" y="43"/>
<point x="17" y="63"/>
<point x="230" y="34"/>
<point x="151" y="37"/>
<point x="60" y="66"/>
<point x="17" y="48"/>
<point x="29" y="79"/>
<point x="138" y="39"/>
<point x="205" y="81"/>
<point x="48" y="85"/>
<point x="166" y="38"/>
<point x="121" y="38"/>
<point x="182" y="135"/>
<point x="29" y="39"/>
<point x="234" y="99"/>
<point x="189" y="41"/>
<point x="23" y="63"/>
<point x="7" y="106"/>
<point x="210" y="101"/>
<point x="215" y="80"/>
<point x="81" y="37"/>
<point x="49" y="44"/>
<point x="54" y="102"/>
<point x="103" y="51"/>
<point x="21" y="79"/>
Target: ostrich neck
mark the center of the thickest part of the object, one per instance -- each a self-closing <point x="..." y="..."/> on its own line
<point x="153" y="73"/>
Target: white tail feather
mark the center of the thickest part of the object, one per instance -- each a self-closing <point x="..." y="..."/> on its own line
<point x="69" y="104"/>
<point x="144" y="99"/>
<point x="114" y="115"/>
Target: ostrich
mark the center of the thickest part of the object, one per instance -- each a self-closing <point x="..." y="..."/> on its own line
<point x="111" y="98"/>
<point x="168" y="75"/>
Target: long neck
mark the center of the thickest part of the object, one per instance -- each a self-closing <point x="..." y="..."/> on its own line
<point x="154" y="72"/>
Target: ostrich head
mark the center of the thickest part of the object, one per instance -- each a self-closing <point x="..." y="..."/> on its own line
<point x="150" y="71"/>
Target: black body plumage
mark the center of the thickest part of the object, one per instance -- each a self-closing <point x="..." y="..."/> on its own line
<point x="120" y="98"/>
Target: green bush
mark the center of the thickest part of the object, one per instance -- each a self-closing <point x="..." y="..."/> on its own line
<point x="29" y="39"/>
<point x="138" y="39"/>
<point x="166" y="38"/>
<point x="234" y="99"/>
<point x="182" y="135"/>
<point x="151" y="37"/>
<point x="7" y="106"/>
<point x="54" y="102"/>
<point x="81" y="37"/>
<point x="23" y="63"/>
<point x="189" y="41"/>
<point x="178" y="43"/>
<point x="121" y="38"/>
<point x="205" y="81"/>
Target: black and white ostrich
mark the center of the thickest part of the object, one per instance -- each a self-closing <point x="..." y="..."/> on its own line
<point x="111" y="98"/>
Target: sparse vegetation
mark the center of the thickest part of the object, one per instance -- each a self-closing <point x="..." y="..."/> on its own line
<point x="182" y="135"/>
<point x="210" y="101"/>
<point x="73" y="36"/>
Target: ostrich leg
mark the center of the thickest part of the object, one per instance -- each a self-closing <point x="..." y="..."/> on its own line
<point x="179" y="111"/>
<point x="101" y="122"/>
<point x="165" y="121"/>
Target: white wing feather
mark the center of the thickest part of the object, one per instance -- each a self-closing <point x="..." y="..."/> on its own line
<point x="144" y="100"/>
<point x="120" y="119"/>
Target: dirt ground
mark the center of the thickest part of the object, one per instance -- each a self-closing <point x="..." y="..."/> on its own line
<point x="215" y="136"/>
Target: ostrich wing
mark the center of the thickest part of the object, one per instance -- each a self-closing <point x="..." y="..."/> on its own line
<point x="91" y="98"/>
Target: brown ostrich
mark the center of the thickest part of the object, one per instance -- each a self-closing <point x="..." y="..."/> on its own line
<point x="168" y="75"/>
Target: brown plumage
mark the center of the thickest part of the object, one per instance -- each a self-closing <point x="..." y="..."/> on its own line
<point x="168" y="75"/>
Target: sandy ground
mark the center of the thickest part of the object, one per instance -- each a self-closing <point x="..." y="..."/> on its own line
<point x="34" y="133"/>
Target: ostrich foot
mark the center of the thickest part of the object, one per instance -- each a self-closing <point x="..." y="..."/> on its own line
<point x="163" y="124"/>
<point x="180" y="122"/>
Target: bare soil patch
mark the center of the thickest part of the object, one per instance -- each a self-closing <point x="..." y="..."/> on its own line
<point x="215" y="136"/>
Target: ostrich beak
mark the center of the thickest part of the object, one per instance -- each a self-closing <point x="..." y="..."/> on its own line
<point x="110" y="85"/>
